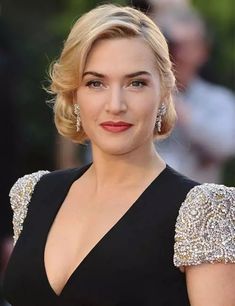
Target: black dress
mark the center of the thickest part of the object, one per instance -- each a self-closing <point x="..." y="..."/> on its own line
<point x="131" y="265"/>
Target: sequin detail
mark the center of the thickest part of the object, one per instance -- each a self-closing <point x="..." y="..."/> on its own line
<point x="20" y="196"/>
<point x="205" y="226"/>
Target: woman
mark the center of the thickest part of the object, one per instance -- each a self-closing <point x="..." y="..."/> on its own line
<point x="104" y="234"/>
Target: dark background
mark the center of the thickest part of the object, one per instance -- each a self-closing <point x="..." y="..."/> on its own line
<point x="32" y="35"/>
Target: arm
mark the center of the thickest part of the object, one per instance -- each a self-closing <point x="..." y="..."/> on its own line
<point x="5" y="253"/>
<point x="211" y="284"/>
<point x="205" y="245"/>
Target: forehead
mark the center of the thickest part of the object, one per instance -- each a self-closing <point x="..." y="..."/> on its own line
<point x="130" y="54"/>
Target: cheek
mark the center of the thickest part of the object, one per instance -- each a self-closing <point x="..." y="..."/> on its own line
<point x="150" y="111"/>
<point x="89" y="107"/>
<point x="148" y="107"/>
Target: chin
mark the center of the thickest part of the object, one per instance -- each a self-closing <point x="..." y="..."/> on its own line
<point x="117" y="150"/>
<point x="121" y="147"/>
<point x="111" y="146"/>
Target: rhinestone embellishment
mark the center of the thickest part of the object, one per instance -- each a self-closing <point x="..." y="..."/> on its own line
<point x="20" y="196"/>
<point x="205" y="226"/>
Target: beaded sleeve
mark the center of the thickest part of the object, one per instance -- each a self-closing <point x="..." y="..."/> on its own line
<point x="20" y="196"/>
<point x="205" y="226"/>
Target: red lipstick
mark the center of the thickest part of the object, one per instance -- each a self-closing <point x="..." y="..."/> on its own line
<point x="116" y="127"/>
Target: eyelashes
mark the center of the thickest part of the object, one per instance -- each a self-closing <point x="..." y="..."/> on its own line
<point x="96" y="84"/>
<point x="138" y="83"/>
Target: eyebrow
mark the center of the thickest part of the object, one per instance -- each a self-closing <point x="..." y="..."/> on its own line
<point x="131" y="75"/>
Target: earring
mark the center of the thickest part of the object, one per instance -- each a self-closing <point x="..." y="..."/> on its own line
<point x="161" y="112"/>
<point x="77" y="113"/>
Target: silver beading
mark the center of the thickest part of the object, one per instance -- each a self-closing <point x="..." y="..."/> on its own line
<point x="160" y="114"/>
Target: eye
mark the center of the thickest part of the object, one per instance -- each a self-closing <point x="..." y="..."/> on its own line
<point x="94" y="84"/>
<point x="138" y="83"/>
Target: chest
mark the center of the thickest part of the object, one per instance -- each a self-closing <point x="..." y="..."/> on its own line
<point x="76" y="230"/>
<point x="126" y="265"/>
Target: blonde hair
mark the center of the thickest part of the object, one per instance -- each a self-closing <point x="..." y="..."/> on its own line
<point x="106" y="22"/>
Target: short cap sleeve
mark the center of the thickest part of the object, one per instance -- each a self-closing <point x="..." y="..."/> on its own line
<point x="205" y="226"/>
<point x="20" y="196"/>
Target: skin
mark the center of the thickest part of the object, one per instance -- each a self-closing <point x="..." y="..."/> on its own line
<point x="5" y="252"/>
<point x="211" y="284"/>
<point x="123" y="163"/>
<point x="207" y="284"/>
<point x="116" y="96"/>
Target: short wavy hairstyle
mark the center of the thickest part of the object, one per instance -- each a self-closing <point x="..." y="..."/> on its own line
<point x="107" y="21"/>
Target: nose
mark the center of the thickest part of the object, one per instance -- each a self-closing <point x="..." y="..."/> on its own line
<point x="116" y="102"/>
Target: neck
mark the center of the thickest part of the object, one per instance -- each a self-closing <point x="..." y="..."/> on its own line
<point x="126" y="169"/>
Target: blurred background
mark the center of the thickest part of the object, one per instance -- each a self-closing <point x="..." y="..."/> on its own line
<point x="31" y="37"/>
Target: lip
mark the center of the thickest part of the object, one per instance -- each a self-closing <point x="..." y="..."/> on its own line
<point x="115" y="126"/>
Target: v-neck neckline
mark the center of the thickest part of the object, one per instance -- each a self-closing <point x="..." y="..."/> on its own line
<point x="137" y="203"/>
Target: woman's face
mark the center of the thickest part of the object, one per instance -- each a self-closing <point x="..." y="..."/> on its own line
<point x="119" y="95"/>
